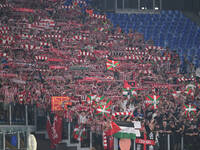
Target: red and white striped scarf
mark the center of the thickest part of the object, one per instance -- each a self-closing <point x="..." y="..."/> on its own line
<point x="131" y="48"/>
<point x="105" y="142"/>
<point x="98" y="16"/>
<point x="21" y="96"/>
<point x="80" y="38"/>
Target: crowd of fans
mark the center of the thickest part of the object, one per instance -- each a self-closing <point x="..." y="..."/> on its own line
<point x="62" y="50"/>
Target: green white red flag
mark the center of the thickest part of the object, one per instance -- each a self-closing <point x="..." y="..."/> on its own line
<point x="94" y="99"/>
<point x="128" y="91"/>
<point x="104" y="109"/>
<point x="190" y="110"/>
<point x="189" y="91"/>
<point x="152" y="100"/>
<point x="111" y="64"/>
<point x="79" y="133"/>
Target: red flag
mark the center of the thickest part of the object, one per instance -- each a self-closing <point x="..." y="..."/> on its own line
<point x="55" y="131"/>
<point x="49" y="132"/>
<point x="114" y="129"/>
<point x="126" y="85"/>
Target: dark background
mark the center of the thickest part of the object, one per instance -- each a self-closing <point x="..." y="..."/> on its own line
<point x="184" y="5"/>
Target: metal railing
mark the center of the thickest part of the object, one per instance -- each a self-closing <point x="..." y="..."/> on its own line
<point x="17" y="114"/>
<point x="168" y="144"/>
<point x="13" y="140"/>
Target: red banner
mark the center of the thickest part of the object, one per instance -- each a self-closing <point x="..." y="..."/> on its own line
<point x="143" y="141"/>
<point x="54" y="131"/>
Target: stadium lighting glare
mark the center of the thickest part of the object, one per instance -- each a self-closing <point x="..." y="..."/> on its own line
<point x="142" y="8"/>
<point x="156" y="8"/>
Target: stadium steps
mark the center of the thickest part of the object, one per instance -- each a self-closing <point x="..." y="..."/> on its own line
<point x="43" y="143"/>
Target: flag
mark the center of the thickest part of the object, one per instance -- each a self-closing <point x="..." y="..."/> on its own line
<point x="127" y="130"/>
<point x="79" y="133"/>
<point x="128" y="91"/>
<point x="89" y="11"/>
<point x="54" y="131"/>
<point x="127" y="85"/>
<point x="114" y="129"/>
<point x="91" y="99"/>
<point x="104" y="109"/>
<point x="153" y="100"/>
<point x="49" y="131"/>
<point x="189" y="91"/>
<point x="57" y="125"/>
<point x="145" y="142"/>
<point x="111" y="64"/>
<point x="190" y="110"/>
<point x="94" y="99"/>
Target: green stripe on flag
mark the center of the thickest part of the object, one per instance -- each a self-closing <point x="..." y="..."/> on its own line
<point x="150" y="98"/>
<point x="158" y="98"/>
<point x="102" y="97"/>
<point x="121" y="135"/>
<point x="109" y="67"/>
<point x="116" y="64"/>
<point x="107" y="101"/>
<point x="124" y="89"/>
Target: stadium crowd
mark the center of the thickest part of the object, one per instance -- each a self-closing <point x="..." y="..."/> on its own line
<point x="64" y="48"/>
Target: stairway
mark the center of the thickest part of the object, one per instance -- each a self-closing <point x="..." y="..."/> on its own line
<point x="43" y="141"/>
<point x="44" y="144"/>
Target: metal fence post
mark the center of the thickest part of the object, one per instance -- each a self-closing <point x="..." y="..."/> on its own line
<point x="154" y="4"/>
<point x="69" y="132"/>
<point x="26" y="115"/>
<point x="160" y="4"/>
<point x="10" y="114"/>
<point x="27" y="137"/>
<point x="182" y="142"/>
<point x="18" y="140"/>
<point x="168" y="142"/>
<point x="115" y="5"/>
<point x="90" y="139"/>
<point x="4" y="141"/>
<point x="115" y="144"/>
<point x="35" y="116"/>
<point x="138" y="4"/>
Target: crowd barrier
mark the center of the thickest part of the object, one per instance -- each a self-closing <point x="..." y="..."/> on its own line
<point x="17" y="114"/>
<point x="95" y="139"/>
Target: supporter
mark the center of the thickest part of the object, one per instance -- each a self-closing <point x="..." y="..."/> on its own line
<point x="38" y="80"/>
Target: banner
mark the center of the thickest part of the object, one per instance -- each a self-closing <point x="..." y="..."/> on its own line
<point x="24" y="10"/>
<point x="54" y="131"/>
<point x="58" y="102"/>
